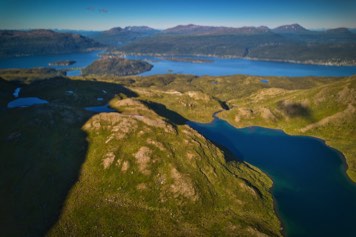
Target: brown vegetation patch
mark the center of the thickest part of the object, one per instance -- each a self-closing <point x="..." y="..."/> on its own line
<point x="141" y="186"/>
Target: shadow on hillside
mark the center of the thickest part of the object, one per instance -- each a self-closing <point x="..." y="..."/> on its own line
<point x="42" y="152"/>
<point x="172" y="116"/>
<point x="294" y="110"/>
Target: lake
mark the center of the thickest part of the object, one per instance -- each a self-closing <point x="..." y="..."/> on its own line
<point x="224" y="67"/>
<point x="217" y="66"/>
<point x="82" y="60"/>
<point x="313" y="195"/>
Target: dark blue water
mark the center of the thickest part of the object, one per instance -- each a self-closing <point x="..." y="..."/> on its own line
<point x="313" y="195"/>
<point x="25" y="102"/>
<point x="221" y="67"/>
<point x="100" y="109"/>
<point x="218" y="66"/>
<point x="82" y="60"/>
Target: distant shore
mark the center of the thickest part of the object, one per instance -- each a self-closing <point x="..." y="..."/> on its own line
<point x="306" y="62"/>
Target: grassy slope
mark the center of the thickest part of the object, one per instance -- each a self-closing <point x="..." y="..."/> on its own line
<point x="180" y="185"/>
<point x="326" y="111"/>
<point x="317" y="98"/>
<point x="185" y="186"/>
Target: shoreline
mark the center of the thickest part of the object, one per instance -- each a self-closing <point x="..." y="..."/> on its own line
<point x="276" y="208"/>
<point x="307" y="62"/>
<point x="326" y="142"/>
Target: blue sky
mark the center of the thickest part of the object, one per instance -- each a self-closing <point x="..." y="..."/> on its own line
<point x="105" y="14"/>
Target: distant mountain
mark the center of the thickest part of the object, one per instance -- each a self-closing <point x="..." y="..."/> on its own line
<point x="40" y="42"/>
<point x="284" y="43"/>
<point x="291" y="29"/>
<point x="86" y="33"/>
<point x="192" y="29"/>
<point x="118" y="36"/>
<point x="207" y="30"/>
<point x="340" y="30"/>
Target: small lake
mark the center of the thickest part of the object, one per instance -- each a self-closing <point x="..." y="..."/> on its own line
<point x="100" y="109"/>
<point x="25" y="102"/>
<point x="82" y="60"/>
<point x="224" y="67"/>
<point x="313" y="195"/>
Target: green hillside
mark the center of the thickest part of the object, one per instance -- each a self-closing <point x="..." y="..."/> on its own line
<point x="137" y="171"/>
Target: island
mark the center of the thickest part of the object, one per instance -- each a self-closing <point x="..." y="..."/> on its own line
<point x="116" y="66"/>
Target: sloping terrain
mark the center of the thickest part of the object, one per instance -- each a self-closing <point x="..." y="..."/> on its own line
<point x="326" y="111"/>
<point x="42" y="42"/>
<point x="116" y="66"/>
<point x="285" y="43"/>
<point x="137" y="171"/>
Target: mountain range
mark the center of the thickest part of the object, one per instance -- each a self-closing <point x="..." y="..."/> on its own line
<point x="41" y="42"/>
<point x="284" y="43"/>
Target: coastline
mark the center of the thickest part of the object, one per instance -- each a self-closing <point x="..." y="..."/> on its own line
<point x="306" y="62"/>
<point x="276" y="208"/>
<point x="342" y="155"/>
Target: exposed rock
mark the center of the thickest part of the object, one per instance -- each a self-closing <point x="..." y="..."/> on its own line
<point x="157" y="144"/>
<point x="125" y="166"/>
<point x="182" y="186"/>
<point x="143" y="159"/>
<point x="267" y="114"/>
<point x="108" y="159"/>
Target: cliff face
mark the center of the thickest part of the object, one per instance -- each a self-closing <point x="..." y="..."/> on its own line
<point x="40" y="42"/>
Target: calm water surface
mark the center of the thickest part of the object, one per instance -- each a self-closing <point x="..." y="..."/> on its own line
<point x="82" y="60"/>
<point x="222" y="67"/>
<point x="313" y="195"/>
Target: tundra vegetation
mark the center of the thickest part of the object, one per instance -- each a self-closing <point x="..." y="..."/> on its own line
<point x="141" y="170"/>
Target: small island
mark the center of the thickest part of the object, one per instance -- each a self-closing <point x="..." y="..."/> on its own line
<point x="116" y="66"/>
<point x="62" y="63"/>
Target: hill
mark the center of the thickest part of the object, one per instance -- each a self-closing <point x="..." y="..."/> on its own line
<point x="42" y="42"/>
<point x="109" y="65"/>
<point x="136" y="171"/>
<point x="118" y="36"/>
<point x="313" y="106"/>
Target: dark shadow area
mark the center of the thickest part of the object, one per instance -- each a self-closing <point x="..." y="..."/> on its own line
<point x="172" y="116"/>
<point x="293" y="110"/>
<point x="223" y="104"/>
<point x="42" y="149"/>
